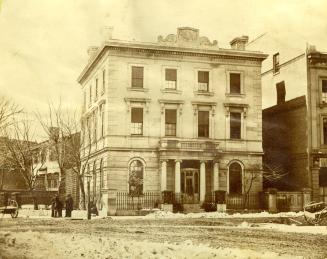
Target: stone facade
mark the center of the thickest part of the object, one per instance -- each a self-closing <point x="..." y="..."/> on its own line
<point x="195" y="158"/>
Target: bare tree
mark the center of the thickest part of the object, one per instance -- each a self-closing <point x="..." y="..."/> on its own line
<point x="7" y="110"/>
<point x="20" y="150"/>
<point x="63" y="130"/>
<point x="266" y="173"/>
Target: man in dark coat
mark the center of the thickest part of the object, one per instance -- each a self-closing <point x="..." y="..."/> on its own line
<point x="53" y="207"/>
<point x="59" y="207"/>
<point x="69" y="206"/>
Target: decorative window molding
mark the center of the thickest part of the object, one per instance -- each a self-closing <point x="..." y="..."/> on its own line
<point x="203" y="85"/>
<point x="322" y="84"/>
<point x="204" y="106"/>
<point x="241" y="166"/>
<point x="145" y="77"/>
<point x="137" y="102"/>
<point x="236" y="108"/>
<point x="171" y="105"/>
<point x="230" y="93"/>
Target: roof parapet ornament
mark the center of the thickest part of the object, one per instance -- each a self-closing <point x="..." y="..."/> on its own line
<point x="187" y="37"/>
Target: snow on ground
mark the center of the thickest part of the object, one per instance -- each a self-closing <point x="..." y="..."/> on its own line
<point x="167" y="214"/>
<point x="88" y="246"/>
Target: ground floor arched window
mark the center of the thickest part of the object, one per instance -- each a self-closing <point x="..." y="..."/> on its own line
<point x="136" y="171"/>
<point x="235" y="178"/>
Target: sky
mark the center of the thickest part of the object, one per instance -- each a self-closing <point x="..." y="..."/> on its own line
<point x="43" y="43"/>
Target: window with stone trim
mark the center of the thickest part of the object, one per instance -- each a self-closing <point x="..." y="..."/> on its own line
<point x="170" y="122"/>
<point x="235" y="83"/>
<point x="324" y="91"/>
<point x="95" y="126"/>
<point x="203" y="124"/>
<point x="90" y="95"/>
<point x="235" y="125"/>
<point x="235" y="178"/>
<point x="203" y="81"/>
<point x="102" y="120"/>
<point x="137" y="77"/>
<point x="101" y="174"/>
<point x="171" y="78"/>
<point x="96" y="89"/>
<point x="136" y="171"/>
<point x="324" y="130"/>
<point x="103" y="81"/>
<point x="137" y="121"/>
<point x="276" y="63"/>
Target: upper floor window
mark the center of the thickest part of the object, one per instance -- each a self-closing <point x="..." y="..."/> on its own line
<point x="90" y="99"/>
<point x="170" y="122"/>
<point x="171" y="78"/>
<point x="84" y="100"/>
<point x="235" y="125"/>
<point x="96" y="89"/>
<point x="103" y="81"/>
<point x="203" y="124"/>
<point x="95" y="126"/>
<point x="324" y="129"/>
<point x="102" y="119"/>
<point x="324" y="90"/>
<point x="276" y="63"/>
<point x="203" y="81"/>
<point x="137" y="121"/>
<point x="235" y="83"/>
<point x="137" y="77"/>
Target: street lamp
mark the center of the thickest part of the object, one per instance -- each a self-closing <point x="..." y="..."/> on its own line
<point x="88" y="179"/>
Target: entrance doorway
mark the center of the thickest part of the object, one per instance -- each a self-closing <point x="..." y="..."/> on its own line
<point x="190" y="185"/>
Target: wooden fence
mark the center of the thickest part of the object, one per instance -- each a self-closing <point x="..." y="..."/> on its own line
<point x="148" y="200"/>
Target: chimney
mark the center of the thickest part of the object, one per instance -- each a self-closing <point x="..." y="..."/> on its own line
<point x="281" y="92"/>
<point x="91" y="51"/>
<point x="107" y="32"/>
<point x="239" y="43"/>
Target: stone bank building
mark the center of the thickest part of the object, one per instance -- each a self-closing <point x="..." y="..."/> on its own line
<point x="180" y="115"/>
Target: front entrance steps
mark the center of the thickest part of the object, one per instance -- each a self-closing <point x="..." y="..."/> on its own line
<point x="192" y="208"/>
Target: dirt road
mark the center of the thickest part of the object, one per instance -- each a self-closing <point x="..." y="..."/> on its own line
<point x="216" y="233"/>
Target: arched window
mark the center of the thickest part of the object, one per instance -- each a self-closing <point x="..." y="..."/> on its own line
<point x="235" y="178"/>
<point x="135" y="181"/>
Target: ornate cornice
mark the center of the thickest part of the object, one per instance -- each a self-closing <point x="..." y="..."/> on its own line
<point x="156" y="49"/>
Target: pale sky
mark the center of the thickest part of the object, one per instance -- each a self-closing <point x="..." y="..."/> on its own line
<point x="43" y="43"/>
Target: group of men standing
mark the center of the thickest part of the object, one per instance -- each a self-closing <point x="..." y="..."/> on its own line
<point x="57" y="206"/>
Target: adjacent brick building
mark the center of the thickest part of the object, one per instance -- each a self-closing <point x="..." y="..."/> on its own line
<point x="294" y="83"/>
<point x="180" y="114"/>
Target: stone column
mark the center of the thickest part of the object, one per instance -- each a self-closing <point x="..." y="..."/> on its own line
<point x="177" y="176"/>
<point x="216" y="176"/>
<point x="202" y="181"/>
<point x="163" y="175"/>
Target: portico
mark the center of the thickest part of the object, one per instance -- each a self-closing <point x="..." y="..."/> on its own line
<point x="190" y="179"/>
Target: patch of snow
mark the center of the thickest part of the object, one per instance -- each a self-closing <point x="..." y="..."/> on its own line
<point x="167" y="214"/>
<point x="64" y="245"/>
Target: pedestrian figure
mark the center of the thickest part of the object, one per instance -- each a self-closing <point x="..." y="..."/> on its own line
<point x="69" y="205"/>
<point x="59" y="206"/>
<point x="53" y="207"/>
